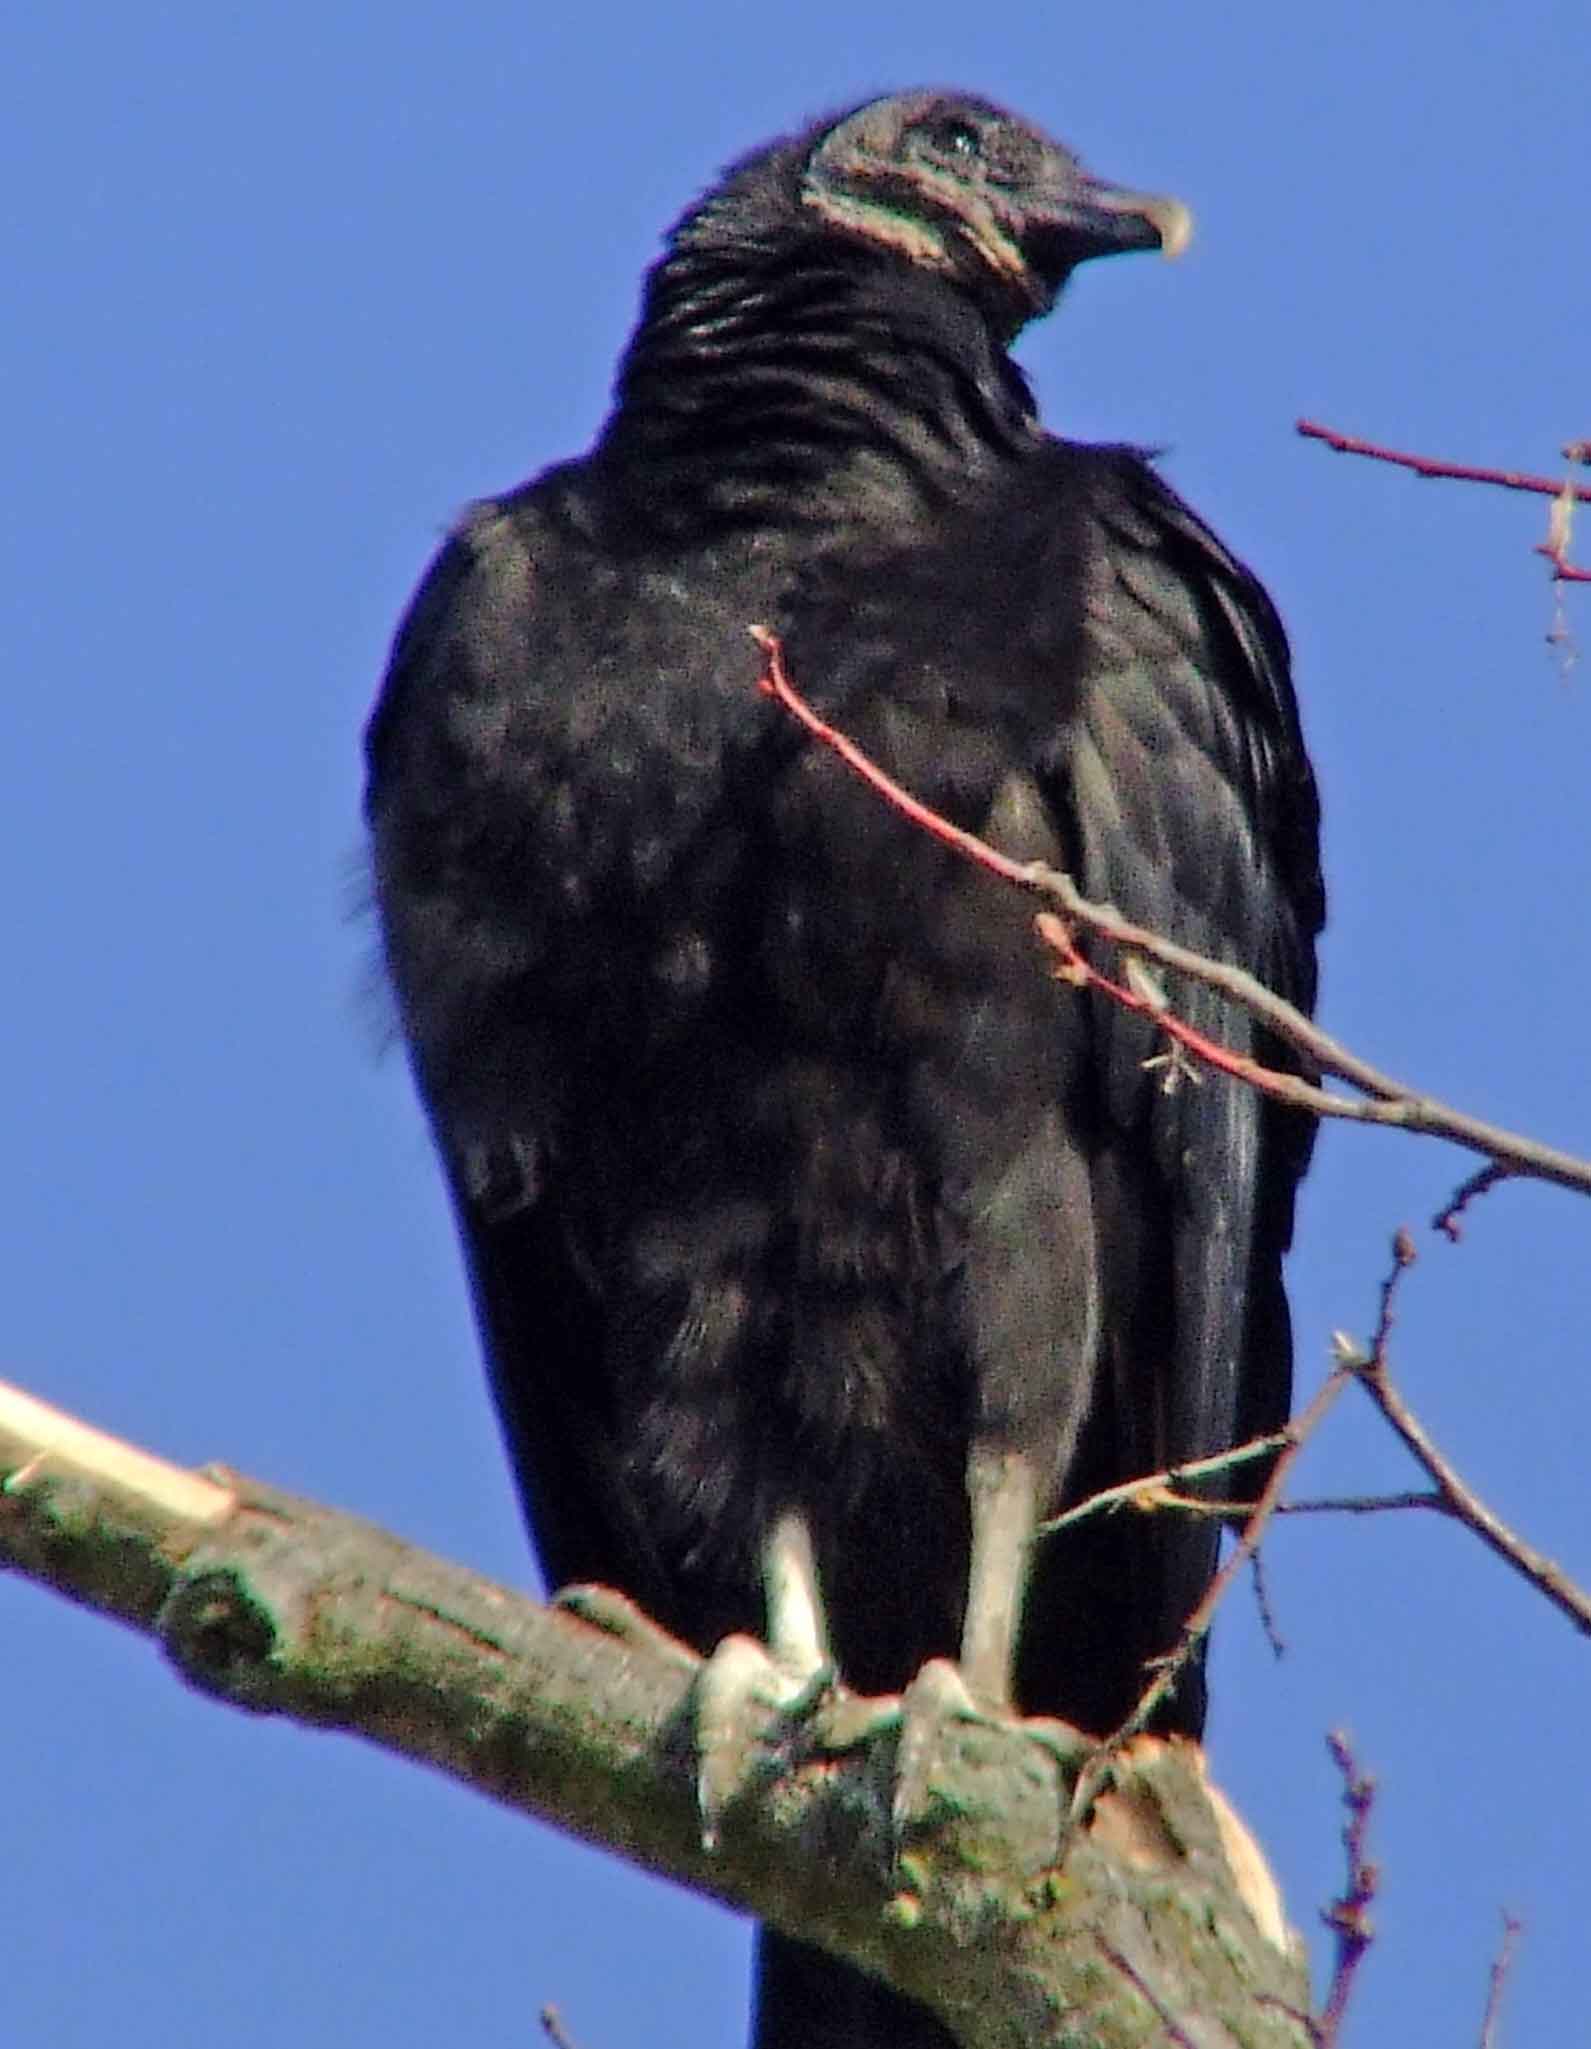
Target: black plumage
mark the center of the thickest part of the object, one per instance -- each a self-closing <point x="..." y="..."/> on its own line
<point x="820" y="1241"/>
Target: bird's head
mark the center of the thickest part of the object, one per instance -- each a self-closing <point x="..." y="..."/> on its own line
<point x="956" y="185"/>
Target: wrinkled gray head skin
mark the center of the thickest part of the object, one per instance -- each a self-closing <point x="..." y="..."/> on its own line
<point x="945" y="181"/>
<point x="958" y="185"/>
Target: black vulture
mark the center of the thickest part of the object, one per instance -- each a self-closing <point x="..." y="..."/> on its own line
<point x="821" y="1242"/>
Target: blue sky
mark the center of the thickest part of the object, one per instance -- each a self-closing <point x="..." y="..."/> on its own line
<point x="285" y="288"/>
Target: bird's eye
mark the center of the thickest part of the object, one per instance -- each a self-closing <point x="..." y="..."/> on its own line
<point x="958" y="140"/>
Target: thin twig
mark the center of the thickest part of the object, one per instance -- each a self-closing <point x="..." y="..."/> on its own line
<point x="1462" y="1501"/>
<point x="1351" y="1363"/>
<point x="1502" y="1963"/>
<point x="1564" y="492"/>
<point x="1563" y="570"/>
<point x="1449" y="1219"/>
<point x="553" y="2028"/>
<point x="1386" y="1101"/>
<point x="1167" y="1670"/>
<point x="1457" y="1498"/>
<point x="1436" y="466"/>
<point x="1391" y="1103"/>
<point x="1262" y="1601"/>
<point x="1348" y="1916"/>
<point x="1365" y="1504"/>
<point x="1147" y="1497"/>
<point x="1156" y="1490"/>
<point x="1404" y="1255"/>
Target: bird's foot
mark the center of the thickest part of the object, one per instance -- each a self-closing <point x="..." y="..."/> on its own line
<point x="940" y="1714"/>
<point x="933" y="1705"/>
<point x="747" y="1703"/>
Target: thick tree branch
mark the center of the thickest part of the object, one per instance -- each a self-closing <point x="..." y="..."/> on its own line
<point x="1019" y="1925"/>
<point x="1382" y="1100"/>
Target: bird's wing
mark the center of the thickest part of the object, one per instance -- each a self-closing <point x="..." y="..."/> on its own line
<point x="1184" y="797"/>
<point x="461" y="780"/>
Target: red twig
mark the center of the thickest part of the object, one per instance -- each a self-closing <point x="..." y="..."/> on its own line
<point x="1435" y="466"/>
<point x="1144" y="999"/>
<point x="1390" y="1103"/>
<point x="1385" y="1100"/>
<point x="1348" y="1917"/>
<point x="1024" y="874"/>
<point x="1564" y="493"/>
<point x="1565" y="572"/>
<point x="775" y="683"/>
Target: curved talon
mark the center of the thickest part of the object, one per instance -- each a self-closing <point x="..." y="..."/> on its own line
<point x="740" y="1691"/>
<point x="939" y="1694"/>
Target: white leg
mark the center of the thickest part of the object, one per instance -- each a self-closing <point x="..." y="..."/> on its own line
<point x="743" y="1687"/>
<point x="797" y="1634"/>
<point x="1003" y="1491"/>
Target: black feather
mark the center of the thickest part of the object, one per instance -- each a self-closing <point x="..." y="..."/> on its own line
<point x="787" y="1176"/>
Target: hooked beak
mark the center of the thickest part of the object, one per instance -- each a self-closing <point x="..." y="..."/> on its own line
<point x="1094" y="219"/>
<point x="1136" y="220"/>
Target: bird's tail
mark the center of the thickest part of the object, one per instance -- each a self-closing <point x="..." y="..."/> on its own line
<point x="809" y="2000"/>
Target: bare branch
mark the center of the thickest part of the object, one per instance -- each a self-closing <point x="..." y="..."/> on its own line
<point x="1564" y="493"/>
<point x="1348" y="1916"/>
<point x="1384" y="1100"/>
<point x="1152" y="1493"/>
<point x="553" y="2028"/>
<point x="1262" y="1602"/>
<point x="1436" y="466"/>
<point x="1352" y="1362"/>
<point x="1157" y="1490"/>
<point x="1387" y="1102"/>
<point x="285" y="1608"/>
<point x="1364" y="1504"/>
<point x="1501" y="1965"/>
<point x="1167" y="1669"/>
<point x="1462" y="1502"/>
<point x="1449" y="1218"/>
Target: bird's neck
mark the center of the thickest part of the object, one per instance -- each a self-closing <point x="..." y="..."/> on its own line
<point x="810" y="387"/>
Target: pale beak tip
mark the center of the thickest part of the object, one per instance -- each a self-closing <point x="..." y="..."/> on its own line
<point x="1175" y="223"/>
